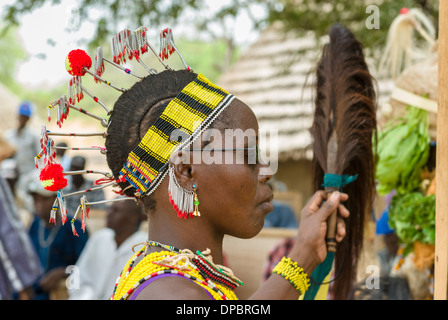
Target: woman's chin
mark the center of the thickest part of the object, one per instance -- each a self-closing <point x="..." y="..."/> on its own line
<point x="251" y="230"/>
<point x="266" y="207"/>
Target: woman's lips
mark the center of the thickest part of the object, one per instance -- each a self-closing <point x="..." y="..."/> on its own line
<point x="267" y="204"/>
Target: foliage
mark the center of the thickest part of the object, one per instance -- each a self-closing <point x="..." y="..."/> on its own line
<point x="211" y="22"/>
<point x="403" y="150"/>
<point x="155" y="13"/>
<point x="205" y="57"/>
<point x="298" y="15"/>
<point x="412" y="216"/>
<point x="10" y="54"/>
<point x="200" y="56"/>
<point x="318" y="15"/>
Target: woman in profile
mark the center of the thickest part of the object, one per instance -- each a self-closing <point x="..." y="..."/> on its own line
<point x="156" y="132"/>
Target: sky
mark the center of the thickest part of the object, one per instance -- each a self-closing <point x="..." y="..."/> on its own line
<point x="59" y="23"/>
<point x="48" y="22"/>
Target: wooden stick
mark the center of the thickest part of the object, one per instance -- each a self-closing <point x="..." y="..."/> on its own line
<point x="441" y="243"/>
<point x="72" y="173"/>
<point x="128" y="71"/>
<point x="332" y="151"/>
<point x="74" y="134"/>
<point x="331" y="229"/>
<point x="104" y="81"/>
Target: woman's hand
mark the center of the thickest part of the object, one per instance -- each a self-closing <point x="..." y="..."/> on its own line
<point x="51" y="280"/>
<point x="310" y="248"/>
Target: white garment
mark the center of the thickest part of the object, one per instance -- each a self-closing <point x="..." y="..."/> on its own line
<point x="100" y="264"/>
<point x="27" y="146"/>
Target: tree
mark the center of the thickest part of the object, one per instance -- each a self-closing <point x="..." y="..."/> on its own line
<point x="10" y="54"/>
<point x="301" y="15"/>
<point x="318" y="15"/>
<point x="215" y="22"/>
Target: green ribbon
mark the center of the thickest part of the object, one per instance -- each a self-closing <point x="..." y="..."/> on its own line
<point x="337" y="181"/>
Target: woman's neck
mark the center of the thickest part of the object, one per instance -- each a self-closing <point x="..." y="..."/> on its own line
<point x="191" y="233"/>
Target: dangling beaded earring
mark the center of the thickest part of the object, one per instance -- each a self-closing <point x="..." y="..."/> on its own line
<point x="185" y="202"/>
<point x="196" y="212"/>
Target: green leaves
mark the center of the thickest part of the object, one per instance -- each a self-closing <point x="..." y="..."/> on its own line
<point x="403" y="151"/>
<point x="412" y="216"/>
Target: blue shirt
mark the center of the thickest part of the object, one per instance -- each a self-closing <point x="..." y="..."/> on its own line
<point x="56" y="247"/>
<point x="281" y="217"/>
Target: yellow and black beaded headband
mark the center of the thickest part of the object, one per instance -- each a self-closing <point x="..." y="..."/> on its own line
<point x="185" y="118"/>
<point x="182" y="121"/>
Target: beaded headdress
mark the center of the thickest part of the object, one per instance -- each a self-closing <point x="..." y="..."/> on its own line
<point x="182" y="121"/>
<point x="185" y="118"/>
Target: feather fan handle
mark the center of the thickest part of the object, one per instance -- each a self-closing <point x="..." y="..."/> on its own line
<point x="344" y="132"/>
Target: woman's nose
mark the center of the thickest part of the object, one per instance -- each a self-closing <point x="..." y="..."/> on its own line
<point x="265" y="173"/>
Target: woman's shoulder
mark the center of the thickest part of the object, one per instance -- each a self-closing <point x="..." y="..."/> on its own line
<point x="170" y="287"/>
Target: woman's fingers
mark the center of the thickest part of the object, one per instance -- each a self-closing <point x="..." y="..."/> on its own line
<point x="316" y="201"/>
<point x="332" y="204"/>
<point x="341" y="232"/>
<point x="343" y="211"/>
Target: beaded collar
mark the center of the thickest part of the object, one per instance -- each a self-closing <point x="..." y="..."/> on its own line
<point x="199" y="267"/>
<point x="204" y="262"/>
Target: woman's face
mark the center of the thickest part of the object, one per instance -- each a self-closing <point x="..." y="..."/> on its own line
<point x="231" y="186"/>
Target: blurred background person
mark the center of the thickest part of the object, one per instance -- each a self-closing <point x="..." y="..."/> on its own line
<point x="282" y="216"/>
<point x="108" y="250"/>
<point x="387" y="255"/>
<point x="19" y="264"/>
<point x="55" y="244"/>
<point x="78" y="182"/>
<point x="62" y="157"/>
<point x="27" y="144"/>
<point x="9" y="172"/>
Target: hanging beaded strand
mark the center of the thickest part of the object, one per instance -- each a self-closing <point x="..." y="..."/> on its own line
<point x="181" y="199"/>
<point x="128" y="44"/>
<point x="196" y="212"/>
<point x="100" y="68"/>
<point x="206" y="267"/>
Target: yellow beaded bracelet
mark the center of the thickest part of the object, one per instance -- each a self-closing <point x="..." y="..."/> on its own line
<point x="291" y="271"/>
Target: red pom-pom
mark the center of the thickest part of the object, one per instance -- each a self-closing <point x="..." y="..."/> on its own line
<point x="404" y="10"/>
<point x="52" y="177"/>
<point x="76" y="61"/>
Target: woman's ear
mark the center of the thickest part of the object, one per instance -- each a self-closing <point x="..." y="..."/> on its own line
<point x="182" y="165"/>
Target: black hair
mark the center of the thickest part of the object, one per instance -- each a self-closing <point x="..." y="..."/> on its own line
<point x="136" y="110"/>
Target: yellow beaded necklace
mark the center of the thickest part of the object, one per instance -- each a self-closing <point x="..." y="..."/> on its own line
<point x="159" y="263"/>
